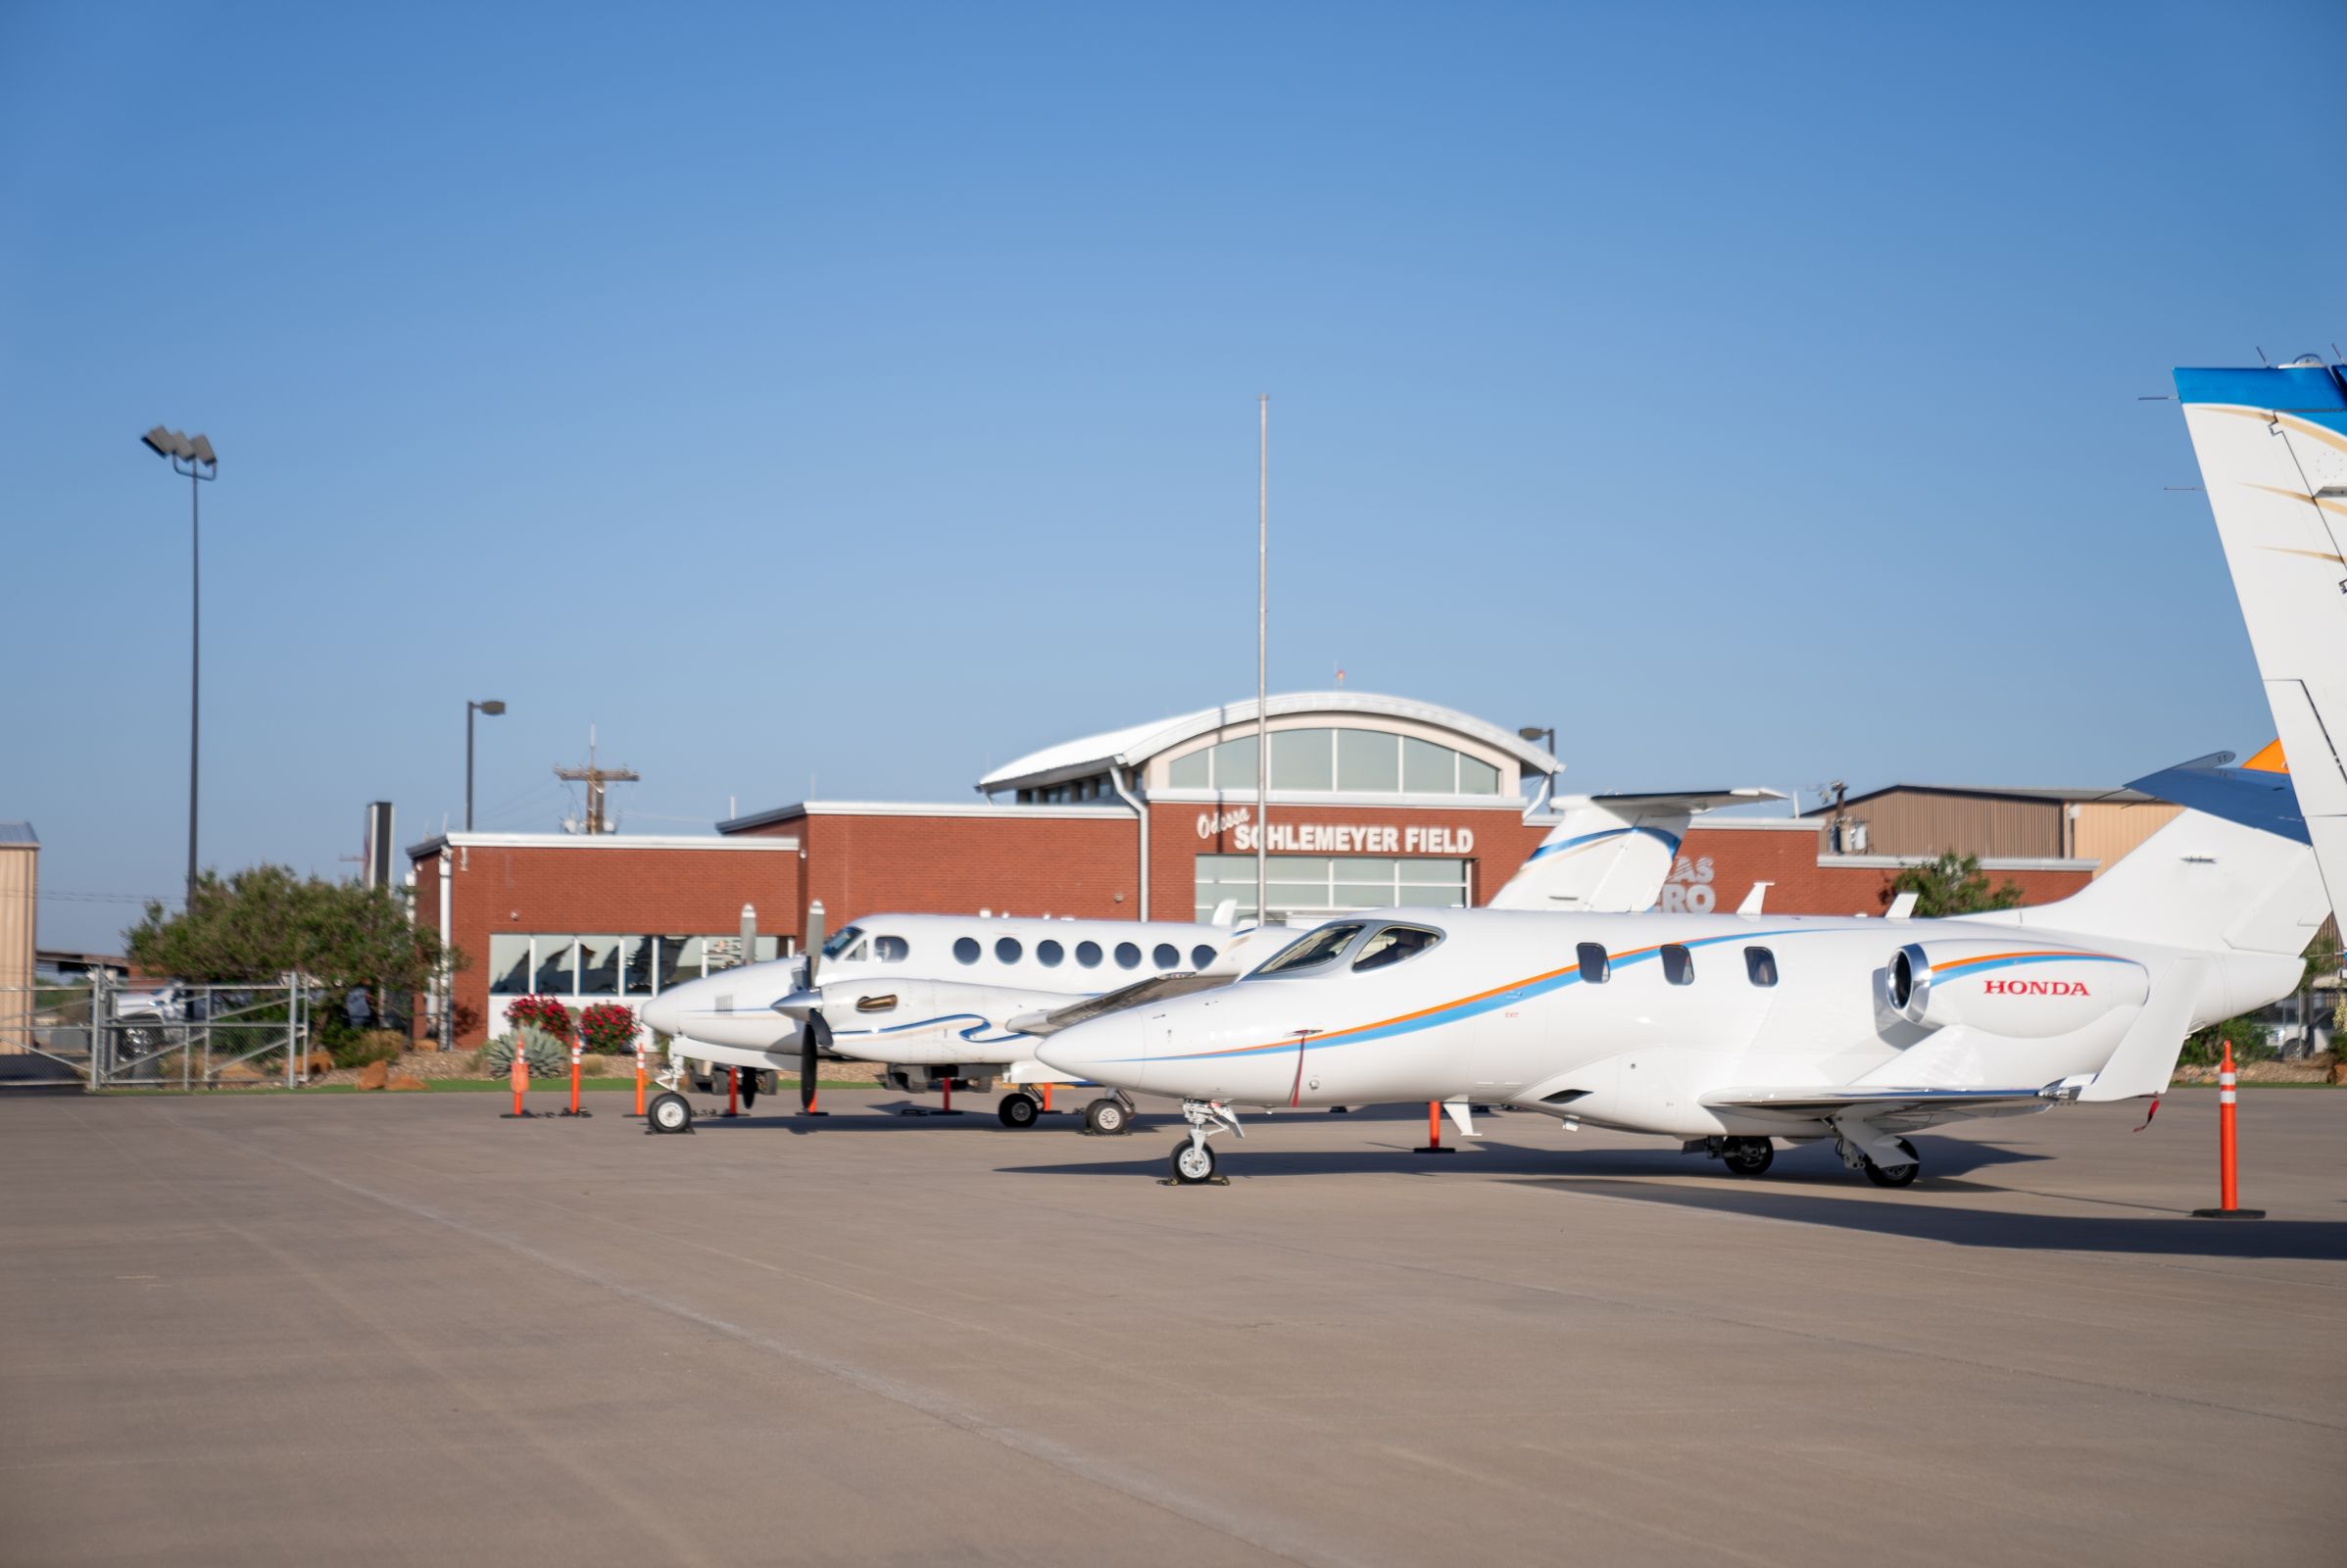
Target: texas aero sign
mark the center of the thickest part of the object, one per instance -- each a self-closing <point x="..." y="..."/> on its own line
<point x="1336" y="838"/>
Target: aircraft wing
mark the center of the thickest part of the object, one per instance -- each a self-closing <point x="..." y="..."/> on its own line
<point x="1156" y="988"/>
<point x="1866" y="1099"/>
<point x="1609" y="853"/>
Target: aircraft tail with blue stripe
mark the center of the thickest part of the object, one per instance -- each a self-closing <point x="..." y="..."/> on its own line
<point x="1610" y="854"/>
<point x="2272" y="450"/>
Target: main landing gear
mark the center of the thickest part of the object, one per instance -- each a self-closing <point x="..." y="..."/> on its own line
<point x="1744" y="1157"/>
<point x="1109" y="1117"/>
<point x="1895" y="1175"/>
<point x="1018" y="1109"/>
<point x="1193" y="1162"/>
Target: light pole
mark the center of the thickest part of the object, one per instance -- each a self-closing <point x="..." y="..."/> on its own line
<point x="1533" y="732"/>
<point x="492" y="709"/>
<point x="193" y="457"/>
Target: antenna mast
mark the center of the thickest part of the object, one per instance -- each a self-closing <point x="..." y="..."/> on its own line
<point x="595" y="778"/>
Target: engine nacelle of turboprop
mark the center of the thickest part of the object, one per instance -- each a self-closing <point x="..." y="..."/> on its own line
<point x="2006" y="986"/>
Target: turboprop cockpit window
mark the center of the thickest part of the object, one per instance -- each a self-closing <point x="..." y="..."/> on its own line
<point x="841" y="939"/>
<point x="891" y="949"/>
<point x="1316" y="950"/>
<point x="1394" y="944"/>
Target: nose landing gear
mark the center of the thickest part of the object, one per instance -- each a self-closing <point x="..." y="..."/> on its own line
<point x="1193" y="1163"/>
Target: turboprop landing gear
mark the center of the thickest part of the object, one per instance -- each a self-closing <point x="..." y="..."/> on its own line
<point x="1019" y="1109"/>
<point x="1193" y="1163"/>
<point x="1106" y="1118"/>
<point x="1747" y="1157"/>
<point x="669" y="1113"/>
<point x="1895" y="1175"/>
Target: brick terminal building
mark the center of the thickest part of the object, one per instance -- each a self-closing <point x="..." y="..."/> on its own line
<point x="1374" y="801"/>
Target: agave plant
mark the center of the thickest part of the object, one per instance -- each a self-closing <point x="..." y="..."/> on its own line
<point x="547" y="1056"/>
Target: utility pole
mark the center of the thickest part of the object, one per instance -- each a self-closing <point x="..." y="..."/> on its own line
<point x="595" y="778"/>
<point x="1262" y="623"/>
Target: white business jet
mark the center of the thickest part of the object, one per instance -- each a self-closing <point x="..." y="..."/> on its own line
<point x="2272" y="450"/>
<point x="1731" y="1031"/>
<point x="942" y="1000"/>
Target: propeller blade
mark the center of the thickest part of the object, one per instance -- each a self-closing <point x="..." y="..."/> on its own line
<point x="816" y="1032"/>
<point x="814" y="938"/>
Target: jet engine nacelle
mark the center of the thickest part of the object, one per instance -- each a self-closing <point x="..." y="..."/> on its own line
<point x="2005" y="986"/>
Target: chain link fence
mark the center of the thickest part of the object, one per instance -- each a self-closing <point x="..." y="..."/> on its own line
<point x="103" y="1034"/>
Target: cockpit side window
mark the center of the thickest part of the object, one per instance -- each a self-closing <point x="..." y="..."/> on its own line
<point x="1316" y="950"/>
<point x="841" y="940"/>
<point x="891" y="949"/>
<point x="1394" y="944"/>
<point x="857" y="953"/>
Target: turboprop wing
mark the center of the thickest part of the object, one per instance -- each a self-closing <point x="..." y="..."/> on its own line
<point x="1610" y="854"/>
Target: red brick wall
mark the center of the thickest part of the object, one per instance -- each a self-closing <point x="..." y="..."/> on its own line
<point x="621" y="892"/>
<point x="1739" y="857"/>
<point x="1501" y="843"/>
<point x="860" y="866"/>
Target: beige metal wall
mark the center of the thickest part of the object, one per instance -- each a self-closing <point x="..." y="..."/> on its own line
<point x="1921" y="823"/>
<point x="2102" y="832"/>
<point x="19" y="879"/>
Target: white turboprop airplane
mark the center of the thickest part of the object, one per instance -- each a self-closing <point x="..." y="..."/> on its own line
<point x="939" y="1000"/>
<point x="2272" y="450"/>
<point x="1732" y="1031"/>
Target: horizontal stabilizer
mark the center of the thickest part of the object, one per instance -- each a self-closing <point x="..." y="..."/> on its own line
<point x="2253" y="798"/>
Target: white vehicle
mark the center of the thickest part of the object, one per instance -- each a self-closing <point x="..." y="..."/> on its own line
<point x="1731" y="1031"/>
<point x="941" y="1000"/>
<point x="2272" y="450"/>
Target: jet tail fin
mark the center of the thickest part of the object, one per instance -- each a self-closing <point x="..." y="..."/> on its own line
<point x="2273" y="450"/>
<point x="1610" y="854"/>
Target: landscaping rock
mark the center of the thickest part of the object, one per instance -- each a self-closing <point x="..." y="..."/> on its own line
<point x="2339" y="1072"/>
<point x="317" y="1064"/>
<point x="375" y="1075"/>
<point x="407" y="1080"/>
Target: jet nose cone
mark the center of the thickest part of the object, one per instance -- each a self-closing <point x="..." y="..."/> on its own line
<point x="1111" y="1051"/>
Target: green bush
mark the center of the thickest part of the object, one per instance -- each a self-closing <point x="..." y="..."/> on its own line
<point x="548" y="1058"/>
<point x="2252" y="1042"/>
<point x="364" y="1047"/>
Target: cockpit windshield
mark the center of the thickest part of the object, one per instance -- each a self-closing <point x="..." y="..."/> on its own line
<point x="842" y="939"/>
<point x="1392" y="944"/>
<point x="1316" y="950"/>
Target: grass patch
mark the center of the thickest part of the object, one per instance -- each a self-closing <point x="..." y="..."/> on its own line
<point x="539" y="1088"/>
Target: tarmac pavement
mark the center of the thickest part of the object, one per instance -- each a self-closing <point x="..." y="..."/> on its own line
<point x="370" y="1329"/>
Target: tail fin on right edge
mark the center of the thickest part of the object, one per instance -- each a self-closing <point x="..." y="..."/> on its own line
<point x="2272" y="450"/>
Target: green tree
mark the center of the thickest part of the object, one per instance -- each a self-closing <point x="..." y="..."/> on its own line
<point x="1954" y="884"/>
<point x="266" y="920"/>
<point x="2252" y="1040"/>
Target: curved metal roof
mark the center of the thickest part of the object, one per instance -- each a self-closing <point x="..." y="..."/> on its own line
<point x="1124" y="747"/>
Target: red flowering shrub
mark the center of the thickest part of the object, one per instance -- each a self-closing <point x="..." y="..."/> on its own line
<point x="542" y="1013"/>
<point x="609" y="1028"/>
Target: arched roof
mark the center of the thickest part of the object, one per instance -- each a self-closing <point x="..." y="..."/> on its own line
<point x="1130" y="747"/>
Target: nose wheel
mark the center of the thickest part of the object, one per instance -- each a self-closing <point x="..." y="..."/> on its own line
<point x="1193" y="1162"/>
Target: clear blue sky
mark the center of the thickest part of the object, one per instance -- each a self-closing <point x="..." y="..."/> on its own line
<point x="849" y="397"/>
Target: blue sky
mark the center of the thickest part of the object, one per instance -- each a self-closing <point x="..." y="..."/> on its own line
<point x="847" y="398"/>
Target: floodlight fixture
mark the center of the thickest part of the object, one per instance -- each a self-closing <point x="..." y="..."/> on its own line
<point x="200" y="447"/>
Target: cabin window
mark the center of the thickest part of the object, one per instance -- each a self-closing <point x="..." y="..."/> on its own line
<point x="1087" y="953"/>
<point x="1200" y="956"/>
<point x="1320" y="948"/>
<point x="1394" y="944"/>
<point x="965" y="950"/>
<point x="891" y="949"/>
<point x="1049" y="954"/>
<point x="1165" y="956"/>
<point x="1760" y="966"/>
<point x="1594" y="965"/>
<point x="1128" y="955"/>
<point x="1677" y="965"/>
<point x="1009" y="951"/>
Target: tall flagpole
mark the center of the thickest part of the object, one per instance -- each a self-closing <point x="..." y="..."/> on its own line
<point x="1263" y="621"/>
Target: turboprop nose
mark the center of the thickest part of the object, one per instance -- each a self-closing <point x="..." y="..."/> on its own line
<point x="727" y="1008"/>
<point x="1111" y="1050"/>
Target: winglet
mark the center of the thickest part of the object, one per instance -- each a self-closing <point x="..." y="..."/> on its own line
<point x="1754" y="899"/>
<point x="1901" y="908"/>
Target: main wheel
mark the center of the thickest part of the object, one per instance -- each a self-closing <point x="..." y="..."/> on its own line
<point x="669" y="1113"/>
<point x="1193" y="1163"/>
<point x="1018" y="1110"/>
<point x="1106" y="1117"/>
<point x="1748" y="1156"/>
<point x="1896" y="1175"/>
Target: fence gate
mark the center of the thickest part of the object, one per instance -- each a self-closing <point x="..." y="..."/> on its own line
<point x="107" y="1035"/>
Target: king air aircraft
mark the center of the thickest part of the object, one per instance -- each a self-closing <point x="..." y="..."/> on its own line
<point x="945" y="1000"/>
<point x="1733" y="1031"/>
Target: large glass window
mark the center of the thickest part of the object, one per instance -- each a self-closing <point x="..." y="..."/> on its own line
<point x="1368" y="762"/>
<point x="1304" y="759"/>
<point x="1191" y="772"/>
<point x="1313" y="885"/>
<point x="1477" y="779"/>
<point x="679" y="961"/>
<point x="635" y="965"/>
<point x="558" y="966"/>
<point x="598" y="966"/>
<point x="1427" y="768"/>
<point x="509" y="964"/>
